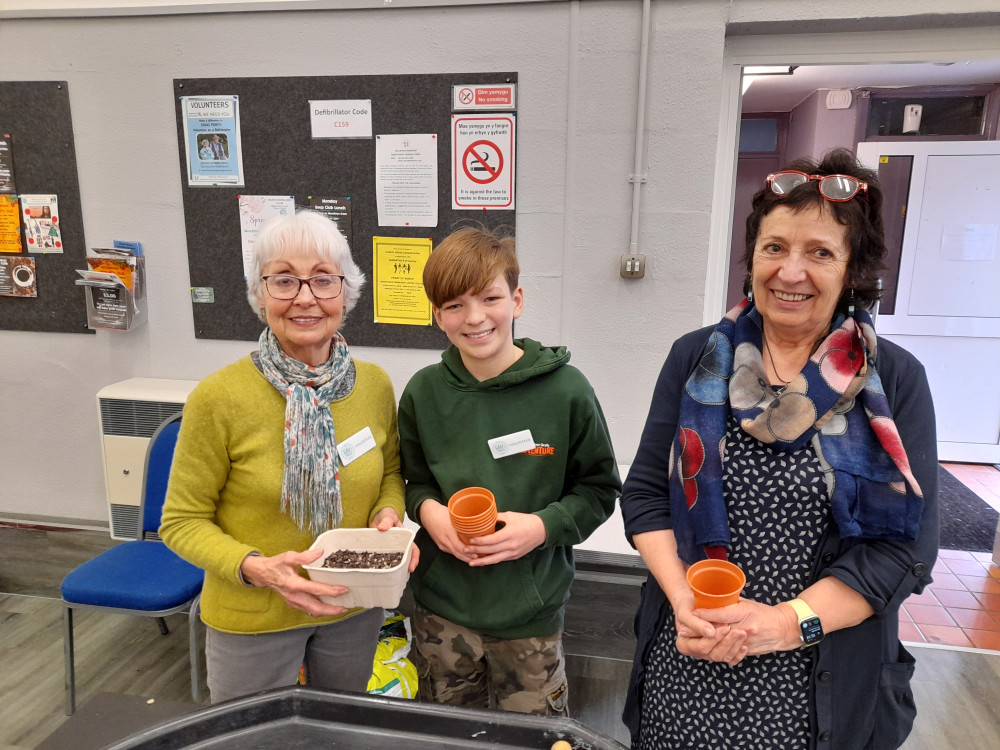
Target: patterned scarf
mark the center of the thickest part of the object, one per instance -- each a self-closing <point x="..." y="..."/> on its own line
<point x="836" y="404"/>
<point x="310" y="487"/>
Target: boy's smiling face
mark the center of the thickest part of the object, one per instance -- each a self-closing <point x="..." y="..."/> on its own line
<point x="481" y="326"/>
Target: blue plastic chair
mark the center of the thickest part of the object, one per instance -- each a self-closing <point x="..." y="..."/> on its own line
<point x="141" y="577"/>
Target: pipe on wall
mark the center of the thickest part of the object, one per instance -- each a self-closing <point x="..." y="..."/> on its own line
<point x="638" y="177"/>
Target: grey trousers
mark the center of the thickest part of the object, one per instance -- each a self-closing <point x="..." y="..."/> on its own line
<point x="338" y="656"/>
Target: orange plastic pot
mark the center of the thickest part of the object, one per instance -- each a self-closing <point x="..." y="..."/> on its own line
<point x="715" y="583"/>
<point x="473" y="512"/>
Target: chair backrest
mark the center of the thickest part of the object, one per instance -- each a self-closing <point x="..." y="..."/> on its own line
<point x="159" y="456"/>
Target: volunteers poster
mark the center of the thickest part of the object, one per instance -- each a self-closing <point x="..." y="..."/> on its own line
<point x="212" y="141"/>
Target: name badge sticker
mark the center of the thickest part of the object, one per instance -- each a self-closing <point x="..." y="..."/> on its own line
<point x="508" y="445"/>
<point x="356" y="445"/>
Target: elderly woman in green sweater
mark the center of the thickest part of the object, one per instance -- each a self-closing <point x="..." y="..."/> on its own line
<point x="261" y="469"/>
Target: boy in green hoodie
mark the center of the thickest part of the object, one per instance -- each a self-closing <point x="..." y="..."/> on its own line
<point x="512" y="416"/>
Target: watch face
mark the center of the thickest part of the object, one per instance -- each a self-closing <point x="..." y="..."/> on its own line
<point x="812" y="631"/>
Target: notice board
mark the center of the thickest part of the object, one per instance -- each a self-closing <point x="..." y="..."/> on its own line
<point x="281" y="158"/>
<point x="36" y="116"/>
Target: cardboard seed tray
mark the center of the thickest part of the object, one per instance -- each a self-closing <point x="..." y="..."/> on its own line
<point x="369" y="588"/>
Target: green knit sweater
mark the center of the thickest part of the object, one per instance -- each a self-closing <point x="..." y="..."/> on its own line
<point x="569" y="480"/>
<point x="224" y="496"/>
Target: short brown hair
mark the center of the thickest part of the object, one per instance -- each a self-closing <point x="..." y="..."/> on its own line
<point x="466" y="261"/>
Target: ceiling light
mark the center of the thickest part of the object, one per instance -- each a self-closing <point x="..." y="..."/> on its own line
<point x="768" y="70"/>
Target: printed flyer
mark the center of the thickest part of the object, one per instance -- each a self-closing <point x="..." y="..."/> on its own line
<point x="10" y="224"/>
<point x="6" y="165"/>
<point x="17" y="277"/>
<point x="397" y="279"/>
<point x="337" y="209"/>
<point x="406" y="189"/>
<point x="212" y="141"/>
<point x="255" y="210"/>
<point x="41" y="223"/>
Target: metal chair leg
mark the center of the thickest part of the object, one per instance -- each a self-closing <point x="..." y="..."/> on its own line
<point x="70" y="679"/>
<point x="193" y="648"/>
<point x="164" y="630"/>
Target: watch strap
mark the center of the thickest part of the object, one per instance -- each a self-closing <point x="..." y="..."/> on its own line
<point x="802" y="610"/>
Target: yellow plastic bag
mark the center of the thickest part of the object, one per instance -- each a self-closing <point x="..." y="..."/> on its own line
<point x="392" y="673"/>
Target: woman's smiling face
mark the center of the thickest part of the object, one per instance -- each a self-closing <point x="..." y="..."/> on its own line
<point x="799" y="271"/>
<point x="304" y="326"/>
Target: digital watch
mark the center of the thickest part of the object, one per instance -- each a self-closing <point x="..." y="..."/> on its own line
<point x="810" y="627"/>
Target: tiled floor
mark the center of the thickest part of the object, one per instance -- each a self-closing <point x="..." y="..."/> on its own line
<point x="962" y="606"/>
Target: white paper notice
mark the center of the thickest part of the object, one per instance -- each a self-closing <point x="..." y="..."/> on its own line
<point x="406" y="180"/>
<point x="255" y="210"/>
<point x="969" y="242"/>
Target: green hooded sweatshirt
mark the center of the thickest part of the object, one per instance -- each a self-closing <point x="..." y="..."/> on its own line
<point x="569" y="480"/>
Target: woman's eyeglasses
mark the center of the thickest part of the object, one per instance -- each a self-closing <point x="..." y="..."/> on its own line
<point x="284" y="286"/>
<point x="838" y="188"/>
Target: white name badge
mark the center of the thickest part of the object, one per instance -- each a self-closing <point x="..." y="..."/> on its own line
<point x="356" y="445"/>
<point x="508" y="445"/>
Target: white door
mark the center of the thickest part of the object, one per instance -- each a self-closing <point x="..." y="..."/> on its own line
<point x="947" y="310"/>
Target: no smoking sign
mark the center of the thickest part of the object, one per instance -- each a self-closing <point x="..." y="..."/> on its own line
<point x="482" y="162"/>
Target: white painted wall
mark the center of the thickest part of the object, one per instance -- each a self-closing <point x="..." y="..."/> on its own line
<point x="577" y="63"/>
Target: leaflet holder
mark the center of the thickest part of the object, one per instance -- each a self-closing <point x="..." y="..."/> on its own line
<point x="113" y="303"/>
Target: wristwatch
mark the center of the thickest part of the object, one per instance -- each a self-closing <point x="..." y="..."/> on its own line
<point x="810" y="628"/>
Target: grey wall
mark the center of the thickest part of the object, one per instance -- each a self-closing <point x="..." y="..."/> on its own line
<point x="577" y="63"/>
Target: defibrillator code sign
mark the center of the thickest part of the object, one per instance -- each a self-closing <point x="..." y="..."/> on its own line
<point x="341" y="118"/>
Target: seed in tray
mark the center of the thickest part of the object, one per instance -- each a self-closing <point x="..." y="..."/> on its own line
<point x="345" y="558"/>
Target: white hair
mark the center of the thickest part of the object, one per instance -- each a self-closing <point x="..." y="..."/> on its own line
<point x="303" y="233"/>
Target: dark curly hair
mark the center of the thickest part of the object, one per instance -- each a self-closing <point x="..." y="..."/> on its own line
<point x="861" y="216"/>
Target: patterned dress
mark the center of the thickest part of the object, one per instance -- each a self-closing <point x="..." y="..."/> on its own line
<point x="778" y="509"/>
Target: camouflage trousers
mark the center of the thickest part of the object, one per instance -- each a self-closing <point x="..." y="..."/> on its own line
<point x="460" y="667"/>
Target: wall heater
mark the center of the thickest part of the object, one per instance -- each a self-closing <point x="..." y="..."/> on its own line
<point x="129" y="413"/>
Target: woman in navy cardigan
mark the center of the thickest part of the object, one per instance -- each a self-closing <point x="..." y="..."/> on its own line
<point x="792" y="441"/>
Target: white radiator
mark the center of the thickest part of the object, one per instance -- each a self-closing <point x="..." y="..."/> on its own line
<point x="129" y="413"/>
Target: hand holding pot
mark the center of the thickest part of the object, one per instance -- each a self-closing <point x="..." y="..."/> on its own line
<point x="521" y="533"/>
<point x="435" y="518"/>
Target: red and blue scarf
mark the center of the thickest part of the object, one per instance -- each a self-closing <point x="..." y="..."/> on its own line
<point x="836" y="404"/>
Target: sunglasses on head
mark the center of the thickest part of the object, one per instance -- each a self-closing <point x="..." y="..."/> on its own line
<point x="838" y="188"/>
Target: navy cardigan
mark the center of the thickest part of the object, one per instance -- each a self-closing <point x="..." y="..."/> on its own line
<point x="860" y="683"/>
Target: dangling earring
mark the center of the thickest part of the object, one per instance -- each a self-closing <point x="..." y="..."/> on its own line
<point x="850" y="304"/>
<point x="750" y="292"/>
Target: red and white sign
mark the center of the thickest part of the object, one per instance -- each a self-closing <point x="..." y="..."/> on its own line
<point x="482" y="161"/>
<point x="474" y="97"/>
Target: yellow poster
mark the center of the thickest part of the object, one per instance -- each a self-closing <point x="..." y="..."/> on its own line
<point x="10" y="224"/>
<point x="398" y="271"/>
